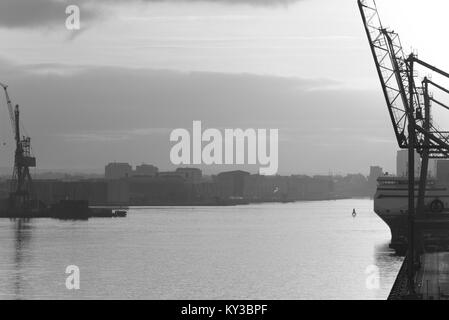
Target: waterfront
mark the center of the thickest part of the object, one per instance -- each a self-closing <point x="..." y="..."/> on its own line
<point x="305" y="250"/>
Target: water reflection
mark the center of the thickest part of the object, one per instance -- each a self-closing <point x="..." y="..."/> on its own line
<point x="203" y="253"/>
<point x="22" y="238"/>
<point x="387" y="261"/>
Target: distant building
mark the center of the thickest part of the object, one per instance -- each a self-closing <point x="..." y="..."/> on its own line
<point x="147" y="170"/>
<point x="191" y="175"/>
<point x="443" y="171"/>
<point x="374" y="173"/>
<point x="118" y="191"/>
<point x="432" y="170"/>
<point x="402" y="163"/>
<point x="170" y="174"/>
<point x="117" y="170"/>
<point x="159" y="190"/>
<point x="351" y="185"/>
<point x="51" y="191"/>
<point x="320" y="187"/>
<point x="231" y="184"/>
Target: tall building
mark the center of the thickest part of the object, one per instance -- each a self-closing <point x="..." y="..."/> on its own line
<point x="192" y="175"/>
<point x="443" y="171"/>
<point x="402" y="163"/>
<point x="232" y="183"/>
<point x="146" y="170"/>
<point x="374" y="173"/>
<point x="117" y="170"/>
<point x="432" y="170"/>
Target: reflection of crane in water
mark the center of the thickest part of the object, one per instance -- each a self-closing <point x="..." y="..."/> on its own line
<point x="21" y="185"/>
<point x="21" y="191"/>
<point x="22" y="239"/>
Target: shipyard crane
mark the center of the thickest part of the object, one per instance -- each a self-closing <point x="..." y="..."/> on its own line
<point x="405" y="101"/>
<point x="409" y="106"/>
<point x="21" y="185"/>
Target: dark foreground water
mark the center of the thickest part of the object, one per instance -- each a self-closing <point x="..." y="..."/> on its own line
<point x="309" y="250"/>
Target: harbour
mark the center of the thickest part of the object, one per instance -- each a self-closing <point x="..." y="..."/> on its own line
<point x="183" y="152"/>
<point x="414" y="207"/>
<point x="304" y="250"/>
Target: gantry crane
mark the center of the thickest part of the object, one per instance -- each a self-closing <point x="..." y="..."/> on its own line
<point x="21" y="190"/>
<point x="409" y="106"/>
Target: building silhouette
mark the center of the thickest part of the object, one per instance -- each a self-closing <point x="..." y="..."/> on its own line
<point x="443" y="171"/>
<point x="374" y="173"/>
<point x="117" y="170"/>
<point x="192" y="175"/>
<point x="402" y="163"/>
<point x="145" y="170"/>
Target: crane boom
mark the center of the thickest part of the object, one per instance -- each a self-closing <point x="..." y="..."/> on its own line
<point x="10" y="108"/>
<point x="405" y="101"/>
<point x="391" y="67"/>
<point x="397" y="77"/>
<point x="21" y="182"/>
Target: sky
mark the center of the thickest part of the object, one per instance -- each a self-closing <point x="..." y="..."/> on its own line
<point x="137" y="69"/>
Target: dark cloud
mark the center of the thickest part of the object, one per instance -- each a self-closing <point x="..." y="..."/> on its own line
<point x="87" y="117"/>
<point x="38" y="13"/>
<point x="50" y="13"/>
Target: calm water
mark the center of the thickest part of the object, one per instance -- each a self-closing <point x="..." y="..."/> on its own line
<point x="311" y="250"/>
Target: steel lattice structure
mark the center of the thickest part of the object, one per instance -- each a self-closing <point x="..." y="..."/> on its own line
<point x="405" y="100"/>
<point x="21" y="189"/>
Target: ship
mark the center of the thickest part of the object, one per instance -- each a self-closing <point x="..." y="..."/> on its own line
<point x="391" y="205"/>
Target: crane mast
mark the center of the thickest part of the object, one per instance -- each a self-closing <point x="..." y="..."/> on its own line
<point x="414" y="130"/>
<point x="391" y="67"/>
<point x="405" y="101"/>
<point x="10" y="108"/>
<point x="21" y="189"/>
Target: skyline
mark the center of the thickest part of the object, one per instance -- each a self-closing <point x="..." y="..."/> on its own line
<point x="109" y="91"/>
<point x="7" y="171"/>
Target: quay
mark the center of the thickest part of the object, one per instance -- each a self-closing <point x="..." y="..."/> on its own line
<point x="431" y="264"/>
<point x="63" y="210"/>
<point x="431" y="279"/>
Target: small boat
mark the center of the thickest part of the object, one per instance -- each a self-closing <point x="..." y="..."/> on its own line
<point x="120" y="213"/>
<point x="354" y="213"/>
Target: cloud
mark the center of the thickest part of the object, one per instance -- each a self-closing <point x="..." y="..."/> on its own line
<point x="51" y="13"/>
<point x="87" y="116"/>
<point x="38" y="13"/>
<point x="251" y="2"/>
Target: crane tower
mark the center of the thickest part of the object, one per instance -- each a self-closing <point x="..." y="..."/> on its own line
<point x="409" y="102"/>
<point x="21" y="189"/>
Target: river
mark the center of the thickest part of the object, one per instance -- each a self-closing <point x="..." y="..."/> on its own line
<point x="303" y="250"/>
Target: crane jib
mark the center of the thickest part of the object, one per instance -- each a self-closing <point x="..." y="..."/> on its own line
<point x="405" y="101"/>
<point x="21" y="189"/>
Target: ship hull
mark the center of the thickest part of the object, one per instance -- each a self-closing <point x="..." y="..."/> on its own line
<point x="398" y="228"/>
<point x="391" y="205"/>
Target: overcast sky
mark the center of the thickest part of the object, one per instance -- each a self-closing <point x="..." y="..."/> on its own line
<point x="136" y="70"/>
